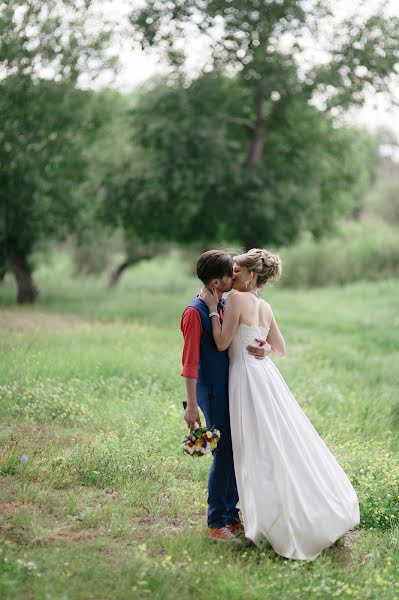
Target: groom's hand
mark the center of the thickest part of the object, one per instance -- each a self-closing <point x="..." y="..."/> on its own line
<point x="261" y="351"/>
<point x="191" y="417"/>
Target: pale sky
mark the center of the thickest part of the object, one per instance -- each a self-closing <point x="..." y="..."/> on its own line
<point x="137" y="66"/>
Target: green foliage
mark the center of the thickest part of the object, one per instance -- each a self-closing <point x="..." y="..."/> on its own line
<point x="362" y="49"/>
<point x="52" y="36"/>
<point x="44" y="135"/>
<point x="259" y="164"/>
<point x="185" y="180"/>
<point x="47" y="122"/>
<point x="365" y="250"/>
<point x="111" y="147"/>
<point x="91" y="255"/>
<point x="383" y="200"/>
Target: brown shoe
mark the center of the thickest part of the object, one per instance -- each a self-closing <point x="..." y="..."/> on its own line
<point x="222" y="534"/>
<point x="237" y="528"/>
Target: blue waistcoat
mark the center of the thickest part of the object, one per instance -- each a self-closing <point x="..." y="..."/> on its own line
<point x="213" y="365"/>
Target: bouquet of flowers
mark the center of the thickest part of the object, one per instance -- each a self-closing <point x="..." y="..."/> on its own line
<point x="201" y="441"/>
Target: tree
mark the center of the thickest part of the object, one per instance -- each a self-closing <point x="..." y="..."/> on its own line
<point x="47" y="121"/>
<point x="266" y="42"/>
<point x="186" y="181"/>
<point x="111" y="157"/>
<point x="111" y="147"/>
<point x="272" y="148"/>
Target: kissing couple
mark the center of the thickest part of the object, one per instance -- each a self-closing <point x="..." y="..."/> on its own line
<point x="292" y="493"/>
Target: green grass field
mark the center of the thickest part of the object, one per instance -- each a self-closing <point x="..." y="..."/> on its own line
<point x="103" y="505"/>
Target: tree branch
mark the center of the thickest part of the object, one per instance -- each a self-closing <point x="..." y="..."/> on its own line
<point x="238" y="120"/>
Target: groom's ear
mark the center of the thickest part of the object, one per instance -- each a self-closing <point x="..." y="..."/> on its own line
<point x="214" y="284"/>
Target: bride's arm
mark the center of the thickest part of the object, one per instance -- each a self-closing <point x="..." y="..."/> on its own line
<point x="223" y="335"/>
<point x="275" y="338"/>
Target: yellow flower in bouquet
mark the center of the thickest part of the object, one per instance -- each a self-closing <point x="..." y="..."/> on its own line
<point x="201" y="441"/>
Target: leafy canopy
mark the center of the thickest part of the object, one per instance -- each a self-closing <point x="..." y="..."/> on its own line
<point x="47" y="119"/>
<point x="185" y="179"/>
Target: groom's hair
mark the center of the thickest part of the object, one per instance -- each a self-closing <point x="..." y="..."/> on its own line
<point x="214" y="264"/>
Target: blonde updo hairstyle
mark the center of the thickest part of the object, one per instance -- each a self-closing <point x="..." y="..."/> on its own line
<point x="257" y="260"/>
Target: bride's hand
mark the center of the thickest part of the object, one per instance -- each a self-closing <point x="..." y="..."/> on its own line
<point x="210" y="298"/>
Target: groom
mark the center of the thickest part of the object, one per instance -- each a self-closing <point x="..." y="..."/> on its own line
<point x="206" y="372"/>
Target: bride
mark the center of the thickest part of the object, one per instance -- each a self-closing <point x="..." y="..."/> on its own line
<point x="293" y="493"/>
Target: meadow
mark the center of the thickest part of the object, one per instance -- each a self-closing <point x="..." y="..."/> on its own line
<point x="97" y="500"/>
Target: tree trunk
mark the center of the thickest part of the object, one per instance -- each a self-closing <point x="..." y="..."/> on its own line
<point x="255" y="149"/>
<point x="116" y="274"/>
<point x="17" y="261"/>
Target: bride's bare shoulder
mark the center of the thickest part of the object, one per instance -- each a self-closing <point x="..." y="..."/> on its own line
<point x="237" y="296"/>
<point x="267" y="304"/>
<point x="268" y="307"/>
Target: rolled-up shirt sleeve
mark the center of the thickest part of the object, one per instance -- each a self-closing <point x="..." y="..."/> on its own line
<point x="191" y="328"/>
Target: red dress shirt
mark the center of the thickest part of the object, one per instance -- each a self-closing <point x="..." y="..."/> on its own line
<point x="191" y="328"/>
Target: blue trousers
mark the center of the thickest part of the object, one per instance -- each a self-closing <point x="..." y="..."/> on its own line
<point x="213" y="400"/>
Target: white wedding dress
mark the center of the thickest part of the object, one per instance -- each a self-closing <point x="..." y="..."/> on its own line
<point x="293" y="493"/>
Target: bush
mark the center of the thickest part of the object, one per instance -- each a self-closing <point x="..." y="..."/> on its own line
<point x="366" y="250"/>
<point x="383" y="200"/>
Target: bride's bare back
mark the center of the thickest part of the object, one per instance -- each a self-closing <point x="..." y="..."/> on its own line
<point x="256" y="312"/>
<point x="243" y="308"/>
